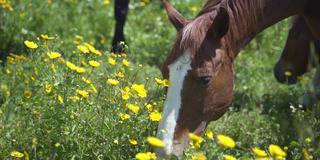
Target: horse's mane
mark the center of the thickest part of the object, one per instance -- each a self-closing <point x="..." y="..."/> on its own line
<point x="243" y="17"/>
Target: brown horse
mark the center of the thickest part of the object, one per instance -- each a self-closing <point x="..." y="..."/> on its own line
<point x="200" y="65"/>
<point x="297" y="58"/>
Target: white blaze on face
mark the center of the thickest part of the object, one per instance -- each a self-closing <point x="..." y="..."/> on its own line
<point x="177" y="73"/>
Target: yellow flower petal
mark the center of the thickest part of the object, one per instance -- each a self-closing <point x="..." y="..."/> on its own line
<point x="60" y="99"/>
<point x="30" y="44"/>
<point x="226" y="141"/>
<point x="28" y="94"/>
<point x="83" y="48"/>
<point x="46" y="37"/>
<point x="209" y="134"/>
<point x="199" y="156"/>
<point x="155" y="116"/>
<point x="258" y="152"/>
<point x="125" y="62"/>
<point x="288" y="74"/>
<point x="155" y="142"/>
<point x="133" y="142"/>
<point x="113" y="82"/>
<point x="80" y="70"/>
<point x="16" y="154"/>
<point x="53" y="55"/>
<point x="276" y="151"/>
<point x="124" y="116"/>
<point x="133" y="108"/>
<point x="83" y="93"/>
<point x="111" y="61"/>
<point x="229" y="157"/>
<point x="71" y="65"/>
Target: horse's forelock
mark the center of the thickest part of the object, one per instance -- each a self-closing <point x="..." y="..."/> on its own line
<point x="195" y="32"/>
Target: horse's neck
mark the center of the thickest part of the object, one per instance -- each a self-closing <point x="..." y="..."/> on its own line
<point x="271" y="12"/>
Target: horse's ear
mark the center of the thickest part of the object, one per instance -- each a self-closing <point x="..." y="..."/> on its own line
<point x="220" y="24"/>
<point x="175" y="17"/>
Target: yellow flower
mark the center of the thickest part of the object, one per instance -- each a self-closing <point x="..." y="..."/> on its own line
<point x="61" y="60"/>
<point x="149" y="107"/>
<point x="28" y="94"/>
<point x="16" y="154"/>
<point x="199" y="156"/>
<point x="288" y="74"/>
<point x="53" y="55"/>
<point x="308" y="140"/>
<point x="94" y="63"/>
<point x="57" y="145"/>
<point x="226" y="141"/>
<point x="83" y="62"/>
<point x="209" y="134"/>
<point x="113" y="82"/>
<point x="195" y="140"/>
<point x="125" y="62"/>
<point x="155" y="142"/>
<point x="71" y="65"/>
<point x="92" y="49"/>
<point x="124" y="55"/>
<point x="114" y="55"/>
<point x="146" y="156"/>
<point x="8" y="71"/>
<point x="155" y="116"/>
<point x="125" y="93"/>
<point x="258" y="152"/>
<point x="193" y="8"/>
<point x="30" y="44"/>
<point x="142" y="92"/>
<point x="53" y="67"/>
<point x="306" y="154"/>
<point x="75" y="98"/>
<point x="83" y="48"/>
<point x="83" y="93"/>
<point x="60" y="99"/>
<point x="133" y="108"/>
<point x="120" y="74"/>
<point x="106" y="2"/>
<point x="86" y="80"/>
<point x="262" y="158"/>
<point x="46" y="37"/>
<point x="124" y="116"/>
<point x="80" y="70"/>
<point x="48" y="88"/>
<point x="164" y="83"/>
<point x="229" y="157"/>
<point x="79" y="38"/>
<point x="277" y="152"/>
<point x="133" y="142"/>
<point x="96" y="52"/>
<point x="111" y="61"/>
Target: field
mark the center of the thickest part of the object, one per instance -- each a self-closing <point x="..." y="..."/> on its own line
<point x="65" y="96"/>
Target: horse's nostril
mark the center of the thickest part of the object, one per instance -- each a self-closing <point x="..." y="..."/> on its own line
<point x="204" y="80"/>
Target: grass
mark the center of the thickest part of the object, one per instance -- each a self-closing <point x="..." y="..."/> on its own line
<point x="35" y="122"/>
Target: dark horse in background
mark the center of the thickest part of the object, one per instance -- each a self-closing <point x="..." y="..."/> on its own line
<point x="120" y="15"/>
<point x="300" y="54"/>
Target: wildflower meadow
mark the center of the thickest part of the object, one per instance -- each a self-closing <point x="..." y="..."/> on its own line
<point x="64" y="95"/>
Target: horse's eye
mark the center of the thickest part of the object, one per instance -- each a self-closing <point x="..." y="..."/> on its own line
<point x="204" y="80"/>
